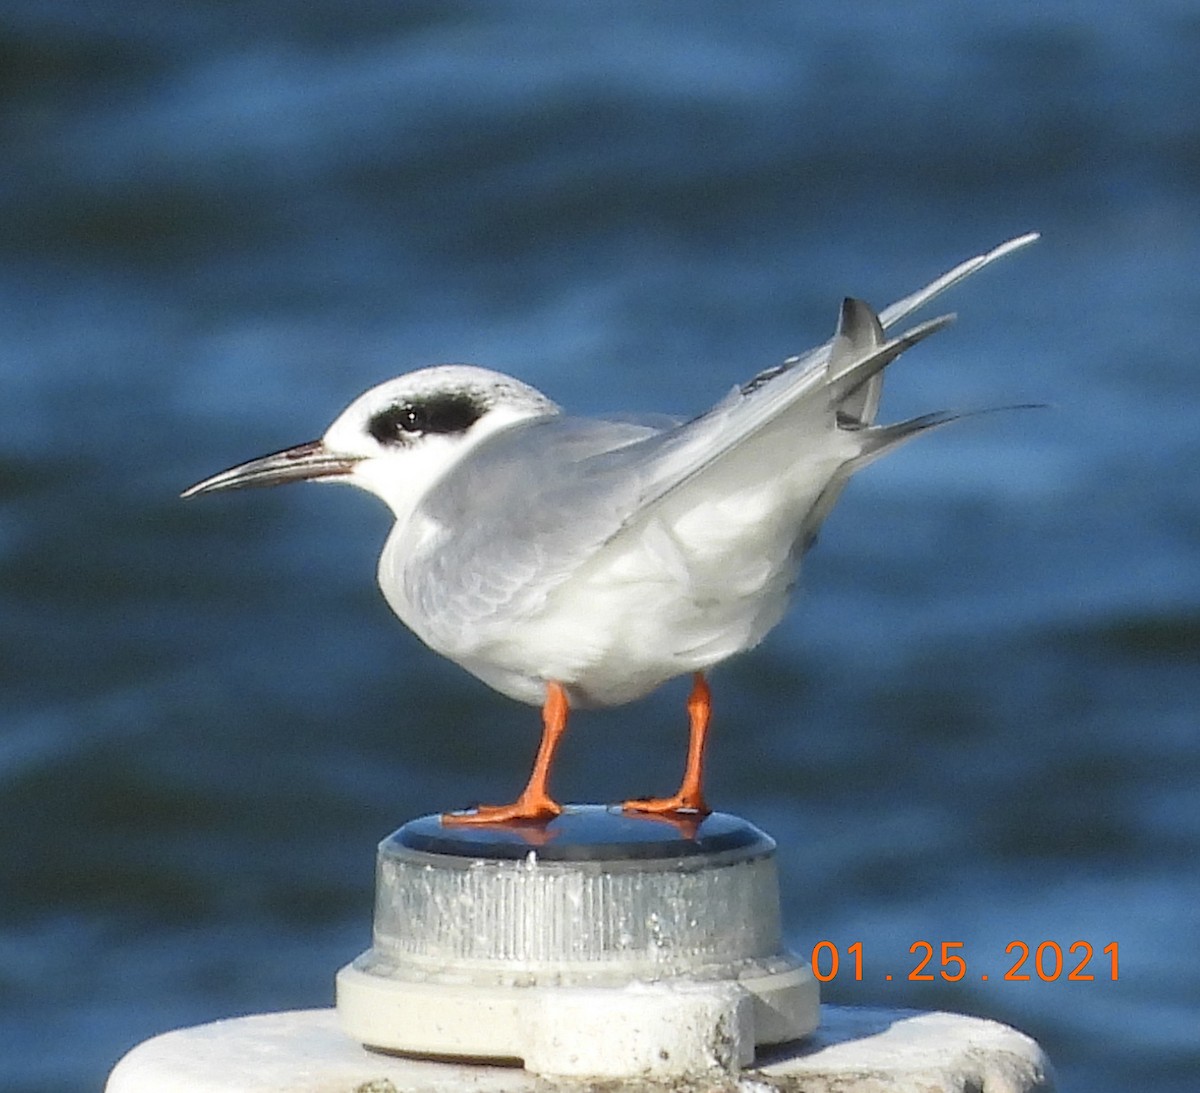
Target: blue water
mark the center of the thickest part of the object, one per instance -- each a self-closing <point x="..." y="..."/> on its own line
<point x="220" y="223"/>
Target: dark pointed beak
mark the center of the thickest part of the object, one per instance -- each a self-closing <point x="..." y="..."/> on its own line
<point x="298" y="464"/>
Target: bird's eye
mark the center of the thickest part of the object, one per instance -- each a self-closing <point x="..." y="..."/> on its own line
<point x="412" y="419"/>
<point x="441" y="414"/>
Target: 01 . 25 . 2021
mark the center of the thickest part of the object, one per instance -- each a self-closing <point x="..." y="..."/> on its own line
<point x="1048" y="963"/>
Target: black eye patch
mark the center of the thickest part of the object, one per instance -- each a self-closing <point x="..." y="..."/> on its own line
<point x="454" y="413"/>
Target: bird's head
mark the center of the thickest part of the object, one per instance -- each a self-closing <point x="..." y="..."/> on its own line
<point x="398" y="438"/>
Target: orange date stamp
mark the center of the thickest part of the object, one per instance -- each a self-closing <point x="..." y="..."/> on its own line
<point x="1046" y="961"/>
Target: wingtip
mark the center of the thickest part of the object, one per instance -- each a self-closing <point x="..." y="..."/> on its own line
<point x="1013" y="244"/>
<point x="901" y="308"/>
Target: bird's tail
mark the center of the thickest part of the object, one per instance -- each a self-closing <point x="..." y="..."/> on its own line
<point x="883" y="438"/>
<point x="860" y="330"/>
<point x="844" y="374"/>
<point x="859" y="349"/>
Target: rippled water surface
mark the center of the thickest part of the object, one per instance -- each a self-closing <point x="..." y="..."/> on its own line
<point x="222" y="222"/>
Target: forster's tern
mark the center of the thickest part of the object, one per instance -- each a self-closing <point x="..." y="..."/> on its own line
<point x="577" y="562"/>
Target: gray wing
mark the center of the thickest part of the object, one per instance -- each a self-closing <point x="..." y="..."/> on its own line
<point x="535" y="502"/>
<point x="523" y="512"/>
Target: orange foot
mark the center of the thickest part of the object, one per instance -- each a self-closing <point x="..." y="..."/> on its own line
<point x="535" y="805"/>
<point x="523" y="810"/>
<point x="682" y="804"/>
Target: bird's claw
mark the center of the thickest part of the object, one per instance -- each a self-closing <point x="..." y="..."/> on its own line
<point x="683" y="805"/>
<point x="520" y="811"/>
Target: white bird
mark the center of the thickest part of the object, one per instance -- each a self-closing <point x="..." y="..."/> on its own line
<point x="568" y="561"/>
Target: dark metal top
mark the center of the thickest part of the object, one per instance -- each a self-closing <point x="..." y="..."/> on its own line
<point x="587" y="833"/>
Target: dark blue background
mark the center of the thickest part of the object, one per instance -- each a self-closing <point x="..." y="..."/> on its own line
<point x="221" y="222"/>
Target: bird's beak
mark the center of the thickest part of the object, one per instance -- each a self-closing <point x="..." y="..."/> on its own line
<point x="298" y="464"/>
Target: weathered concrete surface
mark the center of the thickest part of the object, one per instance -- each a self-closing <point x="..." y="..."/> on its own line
<point x="854" y="1051"/>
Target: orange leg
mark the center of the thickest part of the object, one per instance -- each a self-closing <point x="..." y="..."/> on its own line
<point x="690" y="798"/>
<point x="534" y="804"/>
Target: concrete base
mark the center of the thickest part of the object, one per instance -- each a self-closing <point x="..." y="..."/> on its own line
<point x="855" y="1051"/>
